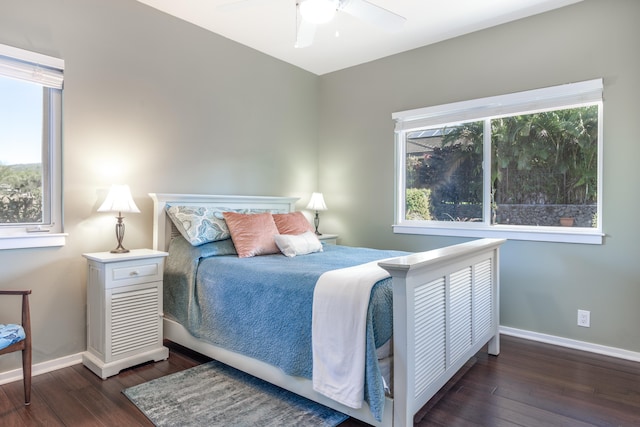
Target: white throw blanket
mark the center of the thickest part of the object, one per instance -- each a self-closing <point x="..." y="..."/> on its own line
<point x="338" y="331"/>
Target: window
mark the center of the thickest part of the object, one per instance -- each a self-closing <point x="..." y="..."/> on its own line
<point x="30" y="149"/>
<point x="521" y="166"/>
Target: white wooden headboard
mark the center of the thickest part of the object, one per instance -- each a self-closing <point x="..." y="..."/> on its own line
<point x="162" y="226"/>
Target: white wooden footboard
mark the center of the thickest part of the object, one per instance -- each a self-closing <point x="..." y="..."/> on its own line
<point x="446" y="307"/>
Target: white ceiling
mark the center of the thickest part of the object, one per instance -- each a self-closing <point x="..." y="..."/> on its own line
<point x="270" y="26"/>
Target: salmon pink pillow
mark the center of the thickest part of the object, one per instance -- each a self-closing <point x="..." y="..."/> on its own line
<point x="292" y="223"/>
<point x="252" y="234"/>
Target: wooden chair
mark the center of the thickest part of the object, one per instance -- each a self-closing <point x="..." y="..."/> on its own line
<point x="23" y="344"/>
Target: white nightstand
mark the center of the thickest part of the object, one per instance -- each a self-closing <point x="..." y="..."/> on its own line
<point x="124" y="310"/>
<point x="329" y="239"/>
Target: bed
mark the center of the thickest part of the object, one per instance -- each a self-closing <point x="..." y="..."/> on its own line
<point x="444" y="304"/>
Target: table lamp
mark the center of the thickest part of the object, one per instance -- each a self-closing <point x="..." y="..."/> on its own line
<point x="119" y="200"/>
<point x="316" y="203"/>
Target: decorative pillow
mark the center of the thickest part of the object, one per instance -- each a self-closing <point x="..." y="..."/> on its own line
<point x="199" y="224"/>
<point x="302" y="244"/>
<point x="252" y="234"/>
<point x="292" y="223"/>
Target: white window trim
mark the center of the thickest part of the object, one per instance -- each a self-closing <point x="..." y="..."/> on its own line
<point x="540" y="234"/>
<point x="531" y="100"/>
<point x="588" y="92"/>
<point x="47" y="71"/>
<point x="24" y="240"/>
<point x="32" y="66"/>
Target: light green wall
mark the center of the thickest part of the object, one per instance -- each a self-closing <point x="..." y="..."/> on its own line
<point x="543" y="284"/>
<point x="159" y="104"/>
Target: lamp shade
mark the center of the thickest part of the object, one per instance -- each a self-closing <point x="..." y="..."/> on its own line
<point x="316" y="203"/>
<point x="318" y="11"/>
<point x="119" y="200"/>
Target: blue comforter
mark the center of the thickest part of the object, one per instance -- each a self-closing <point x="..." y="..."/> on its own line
<point x="261" y="307"/>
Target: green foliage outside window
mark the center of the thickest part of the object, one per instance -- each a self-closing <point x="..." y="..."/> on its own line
<point x="547" y="158"/>
<point x="21" y="194"/>
<point x="417" y="207"/>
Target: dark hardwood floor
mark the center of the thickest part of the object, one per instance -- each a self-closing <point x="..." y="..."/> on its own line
<point x="529" y="384"/>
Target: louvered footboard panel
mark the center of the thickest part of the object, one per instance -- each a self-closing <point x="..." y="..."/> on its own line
<point x="430" y="310"/>
<point x="460" y="332"/>
<point x="450" y="299"/>
<point x="451" y="314"/>
<point x="483" y="308"/>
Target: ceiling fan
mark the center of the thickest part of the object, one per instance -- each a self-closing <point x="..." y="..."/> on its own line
<point x="317" y="12"/>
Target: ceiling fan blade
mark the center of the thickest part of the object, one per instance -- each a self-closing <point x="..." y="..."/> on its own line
<point x="373" y="14"/>
<point x="306" y="32"/>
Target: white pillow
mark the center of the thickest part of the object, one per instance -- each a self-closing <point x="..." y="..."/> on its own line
<point x="302" y="244"/>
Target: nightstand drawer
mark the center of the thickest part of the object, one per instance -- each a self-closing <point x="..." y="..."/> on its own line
<point x="151" y="270"/>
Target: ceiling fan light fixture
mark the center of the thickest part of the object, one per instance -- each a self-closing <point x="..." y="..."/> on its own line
<point x="318" y="11"/>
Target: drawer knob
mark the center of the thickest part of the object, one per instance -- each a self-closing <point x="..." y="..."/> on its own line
<point x="133" y="273"/>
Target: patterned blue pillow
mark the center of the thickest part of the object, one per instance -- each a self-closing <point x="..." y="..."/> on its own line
<point x="10" y="334"/>
<point x="199" y="225"/>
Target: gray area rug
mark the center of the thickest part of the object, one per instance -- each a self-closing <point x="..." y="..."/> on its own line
<point x="214" y="394"/>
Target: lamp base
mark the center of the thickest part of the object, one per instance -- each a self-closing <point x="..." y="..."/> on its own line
<point x="119" y="236"/>
<point x="119" y="251"/>
<point x="316" y="222"/>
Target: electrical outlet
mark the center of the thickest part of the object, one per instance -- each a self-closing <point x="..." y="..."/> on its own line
<point x="584" y="318"/>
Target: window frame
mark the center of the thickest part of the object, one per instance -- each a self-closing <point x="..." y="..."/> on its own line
<point x="552" y="98"/>
<point x="48" y="72"/>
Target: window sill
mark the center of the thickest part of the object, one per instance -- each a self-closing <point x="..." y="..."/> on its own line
<point x="543" y="234"/>
<point x="39" y="240"/>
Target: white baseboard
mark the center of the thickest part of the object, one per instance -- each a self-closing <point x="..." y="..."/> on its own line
<point x="575" y="344"/>
<point x="42" y="368"/>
